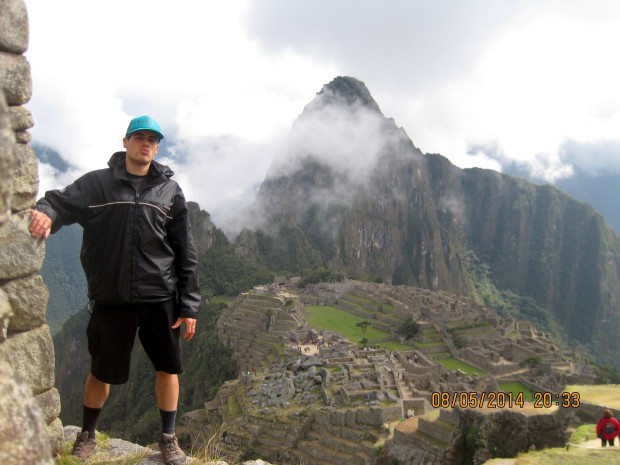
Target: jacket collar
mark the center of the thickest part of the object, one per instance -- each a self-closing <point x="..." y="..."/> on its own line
<point x="157" y="172"/>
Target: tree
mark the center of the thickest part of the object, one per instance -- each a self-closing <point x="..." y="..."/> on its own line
<point x="363" y="325"/>
<point x="409" y="329"/>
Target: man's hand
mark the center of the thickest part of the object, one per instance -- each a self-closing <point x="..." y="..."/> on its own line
<point x="40" y="225"/>
<point x="190" y="327"/>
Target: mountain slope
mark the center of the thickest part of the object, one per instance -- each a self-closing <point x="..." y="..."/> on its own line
<point x="369" y="203"/>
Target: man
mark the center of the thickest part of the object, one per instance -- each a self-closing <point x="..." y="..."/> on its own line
<point x="140" y="263"/>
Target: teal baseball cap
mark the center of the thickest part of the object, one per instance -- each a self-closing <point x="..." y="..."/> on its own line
<point x="143" y="123"/>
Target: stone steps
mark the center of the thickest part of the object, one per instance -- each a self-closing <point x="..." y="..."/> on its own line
<point x="305" y="459"/>
<point x="316" y="450"/>
<point x="356" y="446"/>
<point x="348" y="433"/>
<point x="334" y="442"/>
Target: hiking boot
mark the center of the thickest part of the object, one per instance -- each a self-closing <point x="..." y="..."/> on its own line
<point x="170" y="450"/>
<point x="83" y="447"/>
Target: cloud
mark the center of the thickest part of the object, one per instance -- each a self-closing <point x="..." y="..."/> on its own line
<point x="535" y="80"/>
<point x="596" y="157"/>
<point x="348" y="138"/>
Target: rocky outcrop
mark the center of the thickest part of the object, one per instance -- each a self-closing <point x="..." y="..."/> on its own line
<point x="30" y="430"/>
<point x="121" y="451"/>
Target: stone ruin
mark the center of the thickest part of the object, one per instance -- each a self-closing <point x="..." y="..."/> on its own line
<point x="304" y="394"/>
<point x="30" y="430"/>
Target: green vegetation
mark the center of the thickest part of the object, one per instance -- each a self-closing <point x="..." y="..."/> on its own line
<point x="408" y="329"/>
<point x="531" y="362"/>
<point x="559" y="456"/>
<point x="515" y="388"/>
<point x="224" y="271"/>
<point x="606" y="374"/>
<point x="344" y="323"/>
<point x="505" y="302"/>
<point x="583" y="433"/>
<point x="456" y="364"/>
<point x="598" y="394"/>
<point x="64" y="276"/>
<point x="320" y="275"/>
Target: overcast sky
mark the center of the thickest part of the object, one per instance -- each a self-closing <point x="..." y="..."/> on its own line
<point x="484" y="83"/>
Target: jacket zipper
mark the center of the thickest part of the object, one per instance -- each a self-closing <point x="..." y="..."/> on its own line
<point x="134" y="240"/>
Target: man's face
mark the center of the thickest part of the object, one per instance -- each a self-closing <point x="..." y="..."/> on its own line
<point x="141" y="147"/>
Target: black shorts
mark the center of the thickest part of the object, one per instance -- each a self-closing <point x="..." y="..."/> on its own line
<point x="111" y="333"/>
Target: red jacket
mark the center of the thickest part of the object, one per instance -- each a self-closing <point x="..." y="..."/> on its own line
<point x="608" y="427"/>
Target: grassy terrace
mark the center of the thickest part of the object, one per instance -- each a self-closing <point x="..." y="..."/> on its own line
<point x="600" y="394"/>
<point x="366" y="301"/>
<point x="455" y="364"/>
<point x="334" y="319"/>
<point x="516" y="388"/>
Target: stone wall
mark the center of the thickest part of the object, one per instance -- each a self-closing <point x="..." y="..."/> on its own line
<point x="30" y="430"/>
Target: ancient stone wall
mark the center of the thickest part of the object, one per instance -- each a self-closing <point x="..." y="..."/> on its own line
<point x="30" y="430"/>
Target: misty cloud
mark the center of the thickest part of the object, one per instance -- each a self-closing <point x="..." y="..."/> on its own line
<point x="348" y="137"/>
<point x="593" y="157"/>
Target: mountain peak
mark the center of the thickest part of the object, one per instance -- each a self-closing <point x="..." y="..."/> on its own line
<point x="344" y="90"/>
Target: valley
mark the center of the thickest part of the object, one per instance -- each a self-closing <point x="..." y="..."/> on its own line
<point x="307" y="393"/>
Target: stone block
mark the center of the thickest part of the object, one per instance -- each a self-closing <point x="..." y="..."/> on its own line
<point x="21" y="121"/>
<point x="14" y="27"/>
<point x="23" y="432"/>
<point x="7" y="161"/>
<point x="372" y="416"/>
<point x="31" y="355"/>
<point x="49" y="401"/>
<point x="15" y="78"/>
<point x="28" y="298"/>
<point x="20" y="254"/>
<point x="25" y="178"/>
<point x="55" y="433"/>
<point x="6" y="312"/>
<point x="20" y="117"/>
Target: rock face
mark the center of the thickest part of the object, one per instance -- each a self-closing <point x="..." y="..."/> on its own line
<point x="353" y="190"/>
<point x="30" y="430"/>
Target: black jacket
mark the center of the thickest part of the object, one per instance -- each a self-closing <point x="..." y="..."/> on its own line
<point x="137" y="247"/>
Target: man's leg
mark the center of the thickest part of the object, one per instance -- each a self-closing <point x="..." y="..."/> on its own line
<point x="95" y="394"/>
<point x="167" y="393"/>
<point x="167" y="390"/>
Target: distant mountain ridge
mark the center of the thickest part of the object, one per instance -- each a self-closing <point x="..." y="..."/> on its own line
<point x="356" y="193"/>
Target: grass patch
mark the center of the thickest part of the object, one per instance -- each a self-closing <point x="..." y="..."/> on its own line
<point x="103" y="443"/>
<point x="575" y="456"/>
<point x="515" y="388"/>
<point x="598" y="394"/>
<point x="588" y="455"/>
<point x="426" y="345"/>
<point x="456" y="364"/>
<point x="583" y="433"/>
<point x="394" y="345"/>
<point x="337" y="320"/>
<point x="221" y="298"/>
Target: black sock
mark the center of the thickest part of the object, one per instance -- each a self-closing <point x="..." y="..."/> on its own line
<point x="167" y="420"/>
<point x="89" y="420"/>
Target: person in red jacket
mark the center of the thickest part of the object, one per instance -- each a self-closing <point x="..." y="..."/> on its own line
<point x="607" y="428"/>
